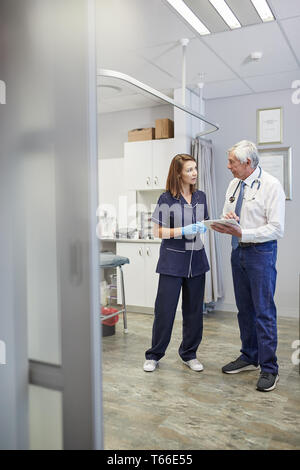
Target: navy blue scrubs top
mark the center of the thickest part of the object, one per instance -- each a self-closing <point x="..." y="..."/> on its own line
<point x="183" y="256"/>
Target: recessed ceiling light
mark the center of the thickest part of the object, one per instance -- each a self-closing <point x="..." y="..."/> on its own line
<point x="226" y="13"/>
<point x="263" y="10"/>
<point x="189" y="16"/>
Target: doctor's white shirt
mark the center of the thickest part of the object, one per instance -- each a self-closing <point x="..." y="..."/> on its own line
<point x="263" y="207"/>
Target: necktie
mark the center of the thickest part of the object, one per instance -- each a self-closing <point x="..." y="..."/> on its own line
<point x="239" y="202"/>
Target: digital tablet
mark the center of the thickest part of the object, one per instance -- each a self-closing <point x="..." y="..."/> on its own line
<point x="208" y="223"/>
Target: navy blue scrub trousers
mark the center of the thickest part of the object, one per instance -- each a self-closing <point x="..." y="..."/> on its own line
<point x="165" y="309"/>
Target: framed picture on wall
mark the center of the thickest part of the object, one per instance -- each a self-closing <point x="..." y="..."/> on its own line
<point x="278" y="162"/>
<point x="269" y="126"/>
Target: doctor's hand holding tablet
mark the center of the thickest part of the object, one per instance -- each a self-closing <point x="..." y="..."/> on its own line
<point x="229" y="224"/>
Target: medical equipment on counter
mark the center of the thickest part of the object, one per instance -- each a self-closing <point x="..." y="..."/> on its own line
<point x="146" y="225"/>
<point x="107" y="224"/>
<point x="127" y="233"/>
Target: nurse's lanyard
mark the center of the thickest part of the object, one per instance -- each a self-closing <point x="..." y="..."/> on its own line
<point x="257" y="181"/>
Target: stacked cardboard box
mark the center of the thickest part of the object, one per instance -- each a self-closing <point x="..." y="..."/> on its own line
<point x="164" y="129"/>
<point x="141" y="134"/>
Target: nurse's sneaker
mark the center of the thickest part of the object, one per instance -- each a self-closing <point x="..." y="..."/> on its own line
<point x="150" y="365"/>
<point x="194" y="364"/>
<point x="238" y="366"/>
<point x="267" y="381"/>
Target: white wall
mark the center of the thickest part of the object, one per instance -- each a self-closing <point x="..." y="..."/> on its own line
<point x="113" y="127"/>
<point x="237" y="119"/>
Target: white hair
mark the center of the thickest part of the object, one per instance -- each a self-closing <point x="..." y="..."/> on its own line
<point x="244" y="150"/>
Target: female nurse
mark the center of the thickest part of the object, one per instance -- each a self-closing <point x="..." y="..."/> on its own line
<point x="182" y="263"/>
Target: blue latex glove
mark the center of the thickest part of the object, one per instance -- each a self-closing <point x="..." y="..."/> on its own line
<point x="201" y="227"/>
<point x="192" y="229"/>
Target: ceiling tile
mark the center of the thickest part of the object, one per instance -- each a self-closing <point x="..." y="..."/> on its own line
<point x="155" y="77"/>
<point x="292" y="30"/>
<point x="126" y="102"/>
<point x="118" y="58"/>
<point x="199" y="59"/>
<point x="138" y="23"/>
<point x="136" y="66"/>
<point x="285" y="8"/>
<point x="236" y="46"/>
<point x="279" y="81"/>
<point x="225" y="89"/>
<point x="154" y="53"/>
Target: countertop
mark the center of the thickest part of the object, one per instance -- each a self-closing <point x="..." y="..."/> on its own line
<point x="130" y="240"/>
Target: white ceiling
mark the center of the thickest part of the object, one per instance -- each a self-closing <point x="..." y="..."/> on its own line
<point x="140" y="38"/>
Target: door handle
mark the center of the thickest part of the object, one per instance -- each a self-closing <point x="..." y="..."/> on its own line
<point x="156" y="180"/>
<point x="140" y="251"/>
<point x="148" y="180"/>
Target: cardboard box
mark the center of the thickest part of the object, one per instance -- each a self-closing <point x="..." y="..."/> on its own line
<point x="164" y="129"/>
<point x="141" y="134"/>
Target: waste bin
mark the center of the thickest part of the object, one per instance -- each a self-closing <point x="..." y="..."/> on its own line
<point x="108" y="326"/>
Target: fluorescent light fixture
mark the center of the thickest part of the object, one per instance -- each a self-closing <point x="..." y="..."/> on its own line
<point x="226" y="13"/>
<point x="189" y="16"/>
<point x="263" y="10"/>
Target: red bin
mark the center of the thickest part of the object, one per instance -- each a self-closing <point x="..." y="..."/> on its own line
<point x="108" y="311"/>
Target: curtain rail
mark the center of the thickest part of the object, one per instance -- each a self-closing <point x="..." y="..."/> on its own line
<point x="157" y="94"/>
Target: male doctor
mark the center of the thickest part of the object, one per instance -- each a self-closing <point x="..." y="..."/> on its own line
<point x="256" y="200"/>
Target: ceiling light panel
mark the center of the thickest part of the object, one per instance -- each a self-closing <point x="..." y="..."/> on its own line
<point x="226" y="13"/>
<point x="204" y="10"/>
<point x="263" y="10"/>
<point x="244" y="11"/>
<point x="189" y="16"/>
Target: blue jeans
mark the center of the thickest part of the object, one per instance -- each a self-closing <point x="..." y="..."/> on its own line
<point x="254" y="279"/>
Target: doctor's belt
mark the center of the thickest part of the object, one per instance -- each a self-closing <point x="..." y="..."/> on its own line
<point x="246" y="245"/>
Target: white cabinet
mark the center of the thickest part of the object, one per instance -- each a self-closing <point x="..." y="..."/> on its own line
<point x="140" y="278"/>
<point x="151" y="277"/>
<point x="147" y="163"/>
<point x="138" y="165"/>
<point x="162" y="155"/>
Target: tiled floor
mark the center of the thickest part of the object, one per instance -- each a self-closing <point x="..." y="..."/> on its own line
<point x="176" y="408"/>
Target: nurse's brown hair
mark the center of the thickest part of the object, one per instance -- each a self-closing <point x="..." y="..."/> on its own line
<point x="174" y="177"/>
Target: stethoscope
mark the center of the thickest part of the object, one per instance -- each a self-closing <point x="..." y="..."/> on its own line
<point x="232" y="198"/>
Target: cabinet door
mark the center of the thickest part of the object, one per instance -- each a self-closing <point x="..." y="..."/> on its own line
<point x="163" y="152"/>
<point x="138" y="165"/>
<point x="134" y="281"/>
<point x="151" y="277"/>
